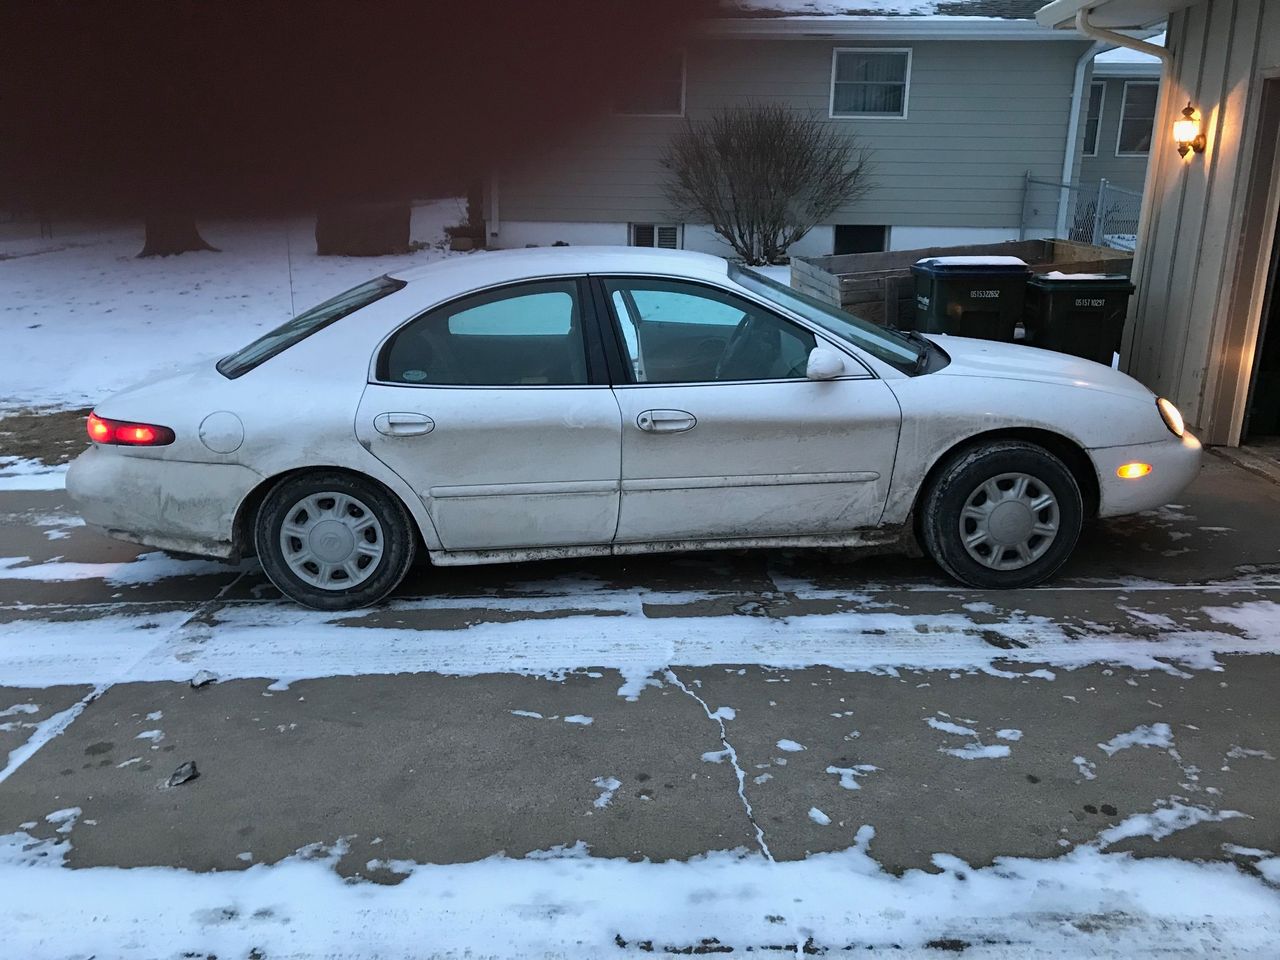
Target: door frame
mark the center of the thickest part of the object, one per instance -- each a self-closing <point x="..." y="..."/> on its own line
<point x="1252" y="279"/>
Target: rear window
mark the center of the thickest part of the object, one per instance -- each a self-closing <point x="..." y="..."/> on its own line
<point x="304" y="325"/>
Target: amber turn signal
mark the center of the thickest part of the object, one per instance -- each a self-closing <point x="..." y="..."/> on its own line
<point x="1132" y="471"/>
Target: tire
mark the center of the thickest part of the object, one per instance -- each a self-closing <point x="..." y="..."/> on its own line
<point x="1009" y="547"/>
<point x="334" y="541"/>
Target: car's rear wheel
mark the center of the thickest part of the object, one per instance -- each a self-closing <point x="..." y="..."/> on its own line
<point x="333" y="541"/>
<point x="1001" y="515"/>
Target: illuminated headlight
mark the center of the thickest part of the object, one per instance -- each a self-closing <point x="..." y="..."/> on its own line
<point x="1172" y="418"/>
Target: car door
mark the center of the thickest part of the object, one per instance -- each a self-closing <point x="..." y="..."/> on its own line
<point x="738" y="442"/>
<point x="488" y="406"/>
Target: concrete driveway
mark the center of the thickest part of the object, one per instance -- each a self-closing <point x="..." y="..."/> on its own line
<point x="743" y="712"/>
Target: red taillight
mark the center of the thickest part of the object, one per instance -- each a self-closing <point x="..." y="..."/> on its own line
<point x="122" y="432"/>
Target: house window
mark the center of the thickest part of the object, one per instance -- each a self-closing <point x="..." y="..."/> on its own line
<point x="1093" y="118"/>
<point x="1137" y="118"/>
<point x="657" y="89"/>
<point x="870" y="83"/>
<point x="664" y="235"/>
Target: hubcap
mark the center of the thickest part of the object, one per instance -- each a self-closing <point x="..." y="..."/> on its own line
<point x="331" y="541"/>
<point x="1009" y="521"/>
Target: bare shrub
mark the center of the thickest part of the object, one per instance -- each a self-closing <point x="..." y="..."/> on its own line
<point x="763" y="176"/>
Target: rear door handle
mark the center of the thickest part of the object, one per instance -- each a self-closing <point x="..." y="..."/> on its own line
<point x="403" y="424"/>
<point x="666" y="421"/>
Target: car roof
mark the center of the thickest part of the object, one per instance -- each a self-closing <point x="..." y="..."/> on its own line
<point x="487" y="267"/>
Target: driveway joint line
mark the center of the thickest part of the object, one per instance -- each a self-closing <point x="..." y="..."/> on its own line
<point x="733" y="759"/>
<point x="54" y="726"/>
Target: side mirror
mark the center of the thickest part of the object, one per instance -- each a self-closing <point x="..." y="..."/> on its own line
<point x="824" y="364"/>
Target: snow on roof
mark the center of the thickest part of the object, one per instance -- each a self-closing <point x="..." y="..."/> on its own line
<point x="992" y="9"/>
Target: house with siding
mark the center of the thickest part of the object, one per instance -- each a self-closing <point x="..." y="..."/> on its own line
<point x="959" y="101"/>
<point x="1118" y="115"/>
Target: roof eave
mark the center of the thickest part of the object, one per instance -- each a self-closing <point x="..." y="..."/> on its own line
<point x="1109" y="14"/>
<point x="884" y="28"/>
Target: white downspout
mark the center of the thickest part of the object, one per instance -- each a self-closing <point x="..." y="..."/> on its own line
<point x="1073" y="133"/>
<point x="1156" y="157"/>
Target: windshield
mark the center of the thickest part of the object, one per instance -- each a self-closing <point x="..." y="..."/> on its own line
<point x="883" y="344"/>
<point x="304" y="325"/>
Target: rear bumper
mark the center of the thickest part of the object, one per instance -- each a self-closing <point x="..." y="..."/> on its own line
<point x="1174" y="464"/>
<point x="167" y="504"/>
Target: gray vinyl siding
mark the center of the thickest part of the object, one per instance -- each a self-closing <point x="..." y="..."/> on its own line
<point x="980" y="114"/>
<point x="1193" y="268"/>
<point x="1127" y="172"/>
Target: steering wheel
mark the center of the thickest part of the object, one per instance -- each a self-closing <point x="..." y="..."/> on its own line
<point x="734" y="345"/>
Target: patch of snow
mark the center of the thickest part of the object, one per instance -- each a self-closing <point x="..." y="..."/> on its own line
<point x="1163" y="822"/>
<point x="848" y="775"/>
<point x="976" y="751"/>
<point x="976" y="260"/>
<point x="1009" y="734"/>
<point x="1235" y="753"/>
<point x="1085" y="768"/>
<point x="790" y="746"/>
<point x="277" y="639"/>
<point x="608" y="786"/>
<point x="567" y="904"/>
<point x="155" y="736"/>
<point x="580" y="719"/>
<point x="64" y="819"/>
<point x="156" y="715"/>
<point x="145" y="568"/>
<point x="16" y="474"/>
<point x="526" y="713"/>
<point x="20" y="708"/>
<point x="1144" y="735"/>
<point x="203" y="304"/>
<point x="724" y="713"/>
<point x="947" y="726"/>
<point x="818" y="817"/>
<point x="716" y="756"/>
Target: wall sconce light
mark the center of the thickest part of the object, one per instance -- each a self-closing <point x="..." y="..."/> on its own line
<point x="1187" y="133"/>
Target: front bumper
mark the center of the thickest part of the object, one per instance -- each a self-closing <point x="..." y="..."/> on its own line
<point x="167" y="504"/>
<point x="1174" y="464"/>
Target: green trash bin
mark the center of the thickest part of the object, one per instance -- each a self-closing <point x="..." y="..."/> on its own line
<point x="970" y="296"/>
<point x="1077" y="313"/>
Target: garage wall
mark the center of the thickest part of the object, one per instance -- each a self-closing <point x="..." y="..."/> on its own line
<point x="1188" y="336"/>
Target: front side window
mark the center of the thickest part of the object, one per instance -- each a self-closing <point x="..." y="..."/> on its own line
<point x="677" y="332"/>
<point x="1093" y="118"/>
<point x="527" y="335"/>
<point x="304" y="325"/>
<point x="870" y="83"/>
<point x="1137" y="118"/>
<point x="655" y="89"/>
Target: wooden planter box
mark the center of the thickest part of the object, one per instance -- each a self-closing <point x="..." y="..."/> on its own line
<point x="879" y="286"/>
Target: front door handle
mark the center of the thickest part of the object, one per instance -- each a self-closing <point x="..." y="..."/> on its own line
<point x="403" y="424"/>
<point x="666" y="421"/>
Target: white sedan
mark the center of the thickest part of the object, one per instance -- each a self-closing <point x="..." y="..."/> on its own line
<point x="578" y="402"/>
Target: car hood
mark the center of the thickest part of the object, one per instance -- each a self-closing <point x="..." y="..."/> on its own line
<point x="1013" y="361"/>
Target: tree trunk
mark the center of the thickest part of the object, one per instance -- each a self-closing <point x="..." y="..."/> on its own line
<point x="171" y="234"/>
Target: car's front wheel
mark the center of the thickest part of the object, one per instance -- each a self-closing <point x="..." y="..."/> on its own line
<point x="1001" y="515"/>
<point x="334" y="541"/>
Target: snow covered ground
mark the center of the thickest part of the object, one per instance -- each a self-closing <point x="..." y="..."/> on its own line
<point x="84" y="317"/>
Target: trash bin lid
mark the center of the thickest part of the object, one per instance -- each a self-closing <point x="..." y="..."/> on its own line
<point x="984" y="264"/>
<point x="1097" y="282"/>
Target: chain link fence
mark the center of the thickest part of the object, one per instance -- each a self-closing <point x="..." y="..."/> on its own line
<point x="1101" y="214"/>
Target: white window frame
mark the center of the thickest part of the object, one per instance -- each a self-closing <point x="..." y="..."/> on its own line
<point x="1124" y="100"/>
<point x="684" y="86"/>
<point x="657" y="225"/>
<point x="1102" y="111"/>
<point x="906" y="87"/>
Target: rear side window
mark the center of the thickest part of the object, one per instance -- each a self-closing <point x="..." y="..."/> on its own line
<point x="304" y="325"/>
<point x="529" y="334"/>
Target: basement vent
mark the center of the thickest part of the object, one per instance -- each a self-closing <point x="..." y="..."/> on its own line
<point x="664" y="235"/>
